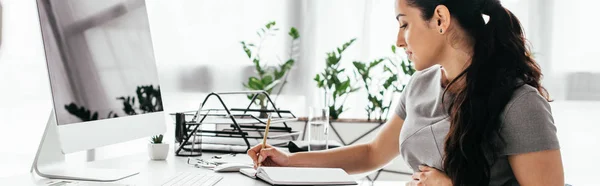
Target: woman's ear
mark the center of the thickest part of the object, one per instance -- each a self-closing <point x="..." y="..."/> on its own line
<point x="442" y="18"/>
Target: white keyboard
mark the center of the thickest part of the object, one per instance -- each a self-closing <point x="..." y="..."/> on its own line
<point x="193" y="178"/>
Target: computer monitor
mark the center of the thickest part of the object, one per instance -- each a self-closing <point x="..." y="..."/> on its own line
<point x="104" y="82"/>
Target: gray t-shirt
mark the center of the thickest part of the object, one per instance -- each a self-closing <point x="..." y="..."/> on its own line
<point x="527" y="125"/>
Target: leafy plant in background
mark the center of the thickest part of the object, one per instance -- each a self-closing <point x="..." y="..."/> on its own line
<point x="406" y="66"/>
<point x="335" y="83"/>
<point x="267" y="77"/>
<point x="149" y="100"/>
<point x="382" y="83"/>
<point x="364" y="72"/>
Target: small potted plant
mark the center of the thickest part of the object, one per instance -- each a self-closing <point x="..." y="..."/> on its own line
<point x="156" y="149"/>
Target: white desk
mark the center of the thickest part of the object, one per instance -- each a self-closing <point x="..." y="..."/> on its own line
<point x="577" y="123"/>
<point x="156" y="172"/>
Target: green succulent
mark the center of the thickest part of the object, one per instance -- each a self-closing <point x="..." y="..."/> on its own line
<point x="157" y="139"/>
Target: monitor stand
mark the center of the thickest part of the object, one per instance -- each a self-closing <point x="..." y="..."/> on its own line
<point x="50" y="161"/>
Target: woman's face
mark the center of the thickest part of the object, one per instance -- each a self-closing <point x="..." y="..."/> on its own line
<point x="420" y="38"/>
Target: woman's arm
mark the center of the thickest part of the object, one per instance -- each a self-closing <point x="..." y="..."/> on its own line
<point x="542" y="168"/>
<point x="357" y="158"/>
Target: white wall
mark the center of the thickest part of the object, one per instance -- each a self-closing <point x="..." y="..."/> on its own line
<point x="575" y="36"/>
<point x="25" y="95"/>
<point x="191" y="36"/>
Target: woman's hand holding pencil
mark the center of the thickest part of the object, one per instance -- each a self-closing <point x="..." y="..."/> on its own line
<point x="266" y="155"/>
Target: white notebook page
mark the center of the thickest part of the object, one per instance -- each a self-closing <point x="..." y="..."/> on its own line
<point x="302" y="175"/>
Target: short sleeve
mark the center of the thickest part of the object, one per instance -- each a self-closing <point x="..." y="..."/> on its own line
<point x="528" y="125"/>
<point x="401" y="107"/>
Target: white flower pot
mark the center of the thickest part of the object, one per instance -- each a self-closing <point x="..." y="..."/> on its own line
<point x="158" y="151"/>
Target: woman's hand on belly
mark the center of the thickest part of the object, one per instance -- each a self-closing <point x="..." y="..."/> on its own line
<point x="429" y="177"/>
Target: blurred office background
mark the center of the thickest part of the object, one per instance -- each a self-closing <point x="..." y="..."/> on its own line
<point x="197" y="50"/>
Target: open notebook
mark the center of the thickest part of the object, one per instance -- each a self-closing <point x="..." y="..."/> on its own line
<point x="301" y="176"/>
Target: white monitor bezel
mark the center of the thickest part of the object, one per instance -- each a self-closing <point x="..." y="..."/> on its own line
<point x="92" y="134"/>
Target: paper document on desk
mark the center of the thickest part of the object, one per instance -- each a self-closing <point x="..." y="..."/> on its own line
<point x="301" y="176"/>
<point x="249" y="172"/>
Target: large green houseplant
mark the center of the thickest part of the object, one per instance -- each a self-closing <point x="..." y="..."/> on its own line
<point x="380" y="78"/>
<point x="268" y="77"/>
<point x="335" y="84"/>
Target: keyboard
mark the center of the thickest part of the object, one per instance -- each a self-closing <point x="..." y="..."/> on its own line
<point x="193" y="178"/>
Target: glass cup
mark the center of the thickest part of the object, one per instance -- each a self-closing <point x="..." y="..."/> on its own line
<point x="318" y="129"/>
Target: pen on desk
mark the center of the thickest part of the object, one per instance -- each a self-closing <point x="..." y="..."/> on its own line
<point x="264" y="142"/>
